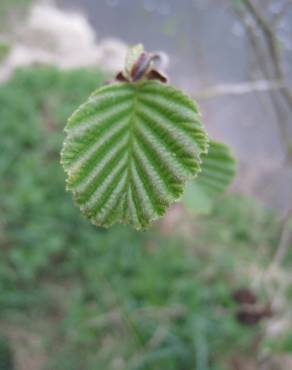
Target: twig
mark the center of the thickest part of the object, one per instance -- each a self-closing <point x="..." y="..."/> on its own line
<point x="285" y="239"/>
<point x="282" y="12"/>
<point x="238" y="89"/>
<point x="273" y="47"/>
<point x="268" y="68"/>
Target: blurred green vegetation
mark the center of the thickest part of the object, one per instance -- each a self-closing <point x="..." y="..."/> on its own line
<point x="6" y="361"/>
<point x="113" y="299"/>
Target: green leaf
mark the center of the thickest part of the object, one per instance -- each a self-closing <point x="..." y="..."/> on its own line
<point x="218" y="170"/>
<point x="196" y="200"/>
<point x="129" y="151"/>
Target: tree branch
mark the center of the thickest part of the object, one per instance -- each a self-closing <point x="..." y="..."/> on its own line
<point x="285" y="240"/>
<point x="282" y="12"/>
<point x="272" y="43"/>
<point x="238" y="89"/>
<point x="267" y="54"/>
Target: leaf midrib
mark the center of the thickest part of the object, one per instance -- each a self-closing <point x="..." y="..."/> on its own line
<point x="128" y="183"/>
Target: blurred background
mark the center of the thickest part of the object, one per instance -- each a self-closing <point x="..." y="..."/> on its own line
<point x="204" y="291"/>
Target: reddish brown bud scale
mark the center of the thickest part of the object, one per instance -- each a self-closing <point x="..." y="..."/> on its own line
<point x="142" y="69"/>
<point x="121" y="78"/>
<point x="153" y="74"/>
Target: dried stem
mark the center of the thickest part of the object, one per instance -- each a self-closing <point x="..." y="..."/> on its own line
<point x="273" y="47"/>
<point x="272" y="67"/>
<point x="238" y="89"/>
<point x="282" y="12"/>
<point x="284" y="242"/>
